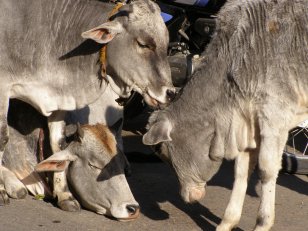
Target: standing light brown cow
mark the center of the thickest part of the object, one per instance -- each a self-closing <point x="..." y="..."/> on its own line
<point x="45" y="62"/>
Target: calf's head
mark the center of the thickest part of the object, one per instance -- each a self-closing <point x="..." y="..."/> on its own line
<point x="192" y="153"/>
<point x="95" y="171"/>
<point x="137" y="52"/>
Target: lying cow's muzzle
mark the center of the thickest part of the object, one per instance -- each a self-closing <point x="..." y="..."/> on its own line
<point x="133" y="213"/>
<point x="124" y="212"/>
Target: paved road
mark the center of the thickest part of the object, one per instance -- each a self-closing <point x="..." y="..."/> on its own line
<point x="156" y="189"/>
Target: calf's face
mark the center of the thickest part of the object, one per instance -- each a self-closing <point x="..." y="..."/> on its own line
<point x="137" y="47"/>
<point x="187" y="151"/>
<point x="95" y="171"/>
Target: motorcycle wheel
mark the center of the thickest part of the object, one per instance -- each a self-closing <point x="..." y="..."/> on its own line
<point x="295" y="155"/>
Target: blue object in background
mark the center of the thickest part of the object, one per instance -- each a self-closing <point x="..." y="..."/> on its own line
<point x="201" y="3"/>
<point x="166" y="17"/>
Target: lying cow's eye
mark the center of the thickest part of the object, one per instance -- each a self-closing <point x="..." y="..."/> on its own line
<point x="94" y="167"/>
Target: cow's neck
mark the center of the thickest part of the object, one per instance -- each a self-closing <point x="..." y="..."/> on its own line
<point x="103" y="50"/>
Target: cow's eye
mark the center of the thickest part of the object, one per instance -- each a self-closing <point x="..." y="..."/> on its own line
<point x="143" y="45"/>
<point x="94" y="167"/>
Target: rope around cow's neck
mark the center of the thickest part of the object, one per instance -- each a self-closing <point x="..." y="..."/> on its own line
<point x="103" y="51"/>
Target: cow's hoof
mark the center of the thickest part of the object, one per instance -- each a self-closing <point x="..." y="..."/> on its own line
<point x="21" y="193"/>
<point x="4" y="199"/>
<point x="16" y="191"/>
<point x="224" y="227"/>
<point x="70" y="205"/>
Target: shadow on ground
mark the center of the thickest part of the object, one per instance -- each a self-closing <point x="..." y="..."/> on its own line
<point x="151" y="187"/>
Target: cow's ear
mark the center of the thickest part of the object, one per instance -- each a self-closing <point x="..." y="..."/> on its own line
<point x="57" y="162"/>
<point x="80" y="132"/>
<point x="104" y="33"/>
<point x="158" y="132"/>
<point x="74" y="129"/>
<point x="70" y="130"/>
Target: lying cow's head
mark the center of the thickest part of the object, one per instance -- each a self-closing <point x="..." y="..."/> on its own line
<point x="187" y="150"/>
<point x="137" y="52"/>
<point x="95" y="171"/>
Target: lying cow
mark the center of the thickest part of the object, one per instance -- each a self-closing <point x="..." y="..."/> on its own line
<point x="92" y="162"/>
<point x="45" y="62"/>
<point x="240" y="104"/>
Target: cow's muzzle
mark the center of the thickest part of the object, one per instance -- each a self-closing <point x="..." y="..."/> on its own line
<point x="133" y="211"/>
<point x="160" y="100"/>
<point x="193" y="194"/>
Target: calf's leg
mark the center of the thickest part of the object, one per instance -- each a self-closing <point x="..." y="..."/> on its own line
<point x="270" y="155"/>
<point x="66" y="201"/>
<point x="244" y="164"/>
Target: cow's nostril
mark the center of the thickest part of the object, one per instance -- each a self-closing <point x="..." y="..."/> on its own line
<point x="171" y="94"/>
<point x="132" y="209"/>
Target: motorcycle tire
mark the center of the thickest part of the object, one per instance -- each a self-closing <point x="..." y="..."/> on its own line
<point x="295" y="155"/>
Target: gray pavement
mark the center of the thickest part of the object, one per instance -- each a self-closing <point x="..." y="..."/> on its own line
<point x="156" y="189"/>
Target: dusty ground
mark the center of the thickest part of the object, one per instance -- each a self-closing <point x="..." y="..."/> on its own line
<point x="156" y="189"/>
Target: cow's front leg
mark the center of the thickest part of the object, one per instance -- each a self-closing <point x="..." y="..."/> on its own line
<point x="244" y="164"/>
<point x="270" y="155"/>
<point x="66" y="201"/>
<point x="10" y="186"/>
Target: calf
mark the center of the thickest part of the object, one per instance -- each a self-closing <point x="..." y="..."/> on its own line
<point x="92" y="162"/>
<point x="240" y="104"/>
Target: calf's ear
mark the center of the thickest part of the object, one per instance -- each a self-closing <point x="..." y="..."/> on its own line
<point x="57" y="162"/>
<point x="104" y="33"/>
<point x="158" y="132"/>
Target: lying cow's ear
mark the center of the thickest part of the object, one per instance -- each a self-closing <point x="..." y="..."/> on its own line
<point x="80" y="131"/>
<point x="158" y="132"/>
<point x="70" y="130"/>
<point x="57" y="162"/>
<point x="74" y="129"/>
<point x="104" y="33"/>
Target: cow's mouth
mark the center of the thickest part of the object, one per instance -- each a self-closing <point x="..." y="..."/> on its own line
<point x="156" y="101"/>
<point x="129" y="218"/>
<point x="151" y="101"/>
